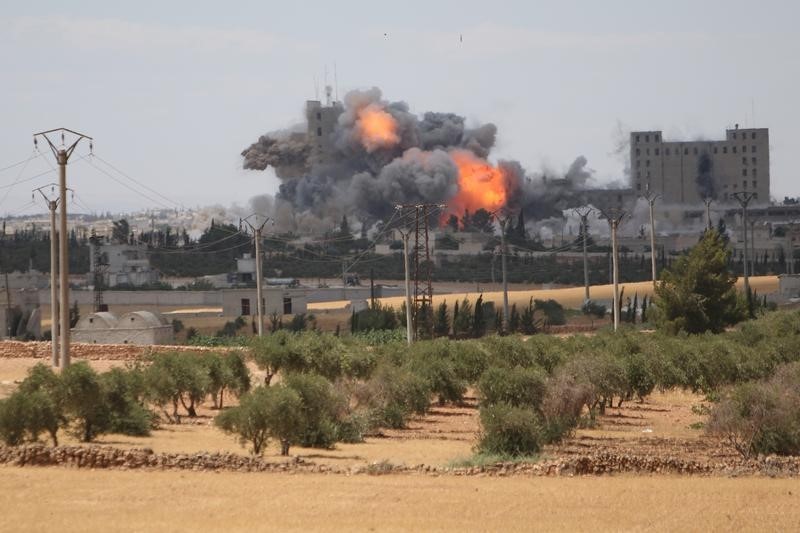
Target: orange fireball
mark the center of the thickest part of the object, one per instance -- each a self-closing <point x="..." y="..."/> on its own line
<point x="376" y="128"/>
<point x="480" y="185"/>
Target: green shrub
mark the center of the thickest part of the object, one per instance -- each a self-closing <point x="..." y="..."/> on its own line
<point x="761" y="417"/>
<point x="175" y="378"/>
<point x="322" y="408"/>
<point x="518" y="387"/>
<point x="85" y="402"/>
<point x="124" y="394"/>
<point x="226" y="372"/>
<point x="391" y="395"/>
<point x="14" y="418"/>
<point x="510" y="430"/>
<point x="266" y="412"/>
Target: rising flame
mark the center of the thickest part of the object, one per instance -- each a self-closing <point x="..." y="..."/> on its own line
<point x="376" y="128"/>
<point x="480" y="185"/>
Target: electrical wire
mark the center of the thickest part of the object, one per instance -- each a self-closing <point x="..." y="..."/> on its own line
<point x="177" y="204"/>
<point x="108" y="174"/>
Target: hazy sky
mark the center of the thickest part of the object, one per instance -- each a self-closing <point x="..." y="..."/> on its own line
<point x="173" y="91"/>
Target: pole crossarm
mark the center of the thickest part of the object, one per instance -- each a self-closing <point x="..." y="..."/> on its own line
<point x="68" y="151"/>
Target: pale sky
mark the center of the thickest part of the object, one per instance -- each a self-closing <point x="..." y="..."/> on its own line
<point x="173" y="91"/>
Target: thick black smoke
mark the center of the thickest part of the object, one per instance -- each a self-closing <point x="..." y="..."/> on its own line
<point x="705" y="177"/>
<point x="365" y="182"/>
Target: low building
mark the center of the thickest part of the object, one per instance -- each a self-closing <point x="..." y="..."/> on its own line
<point x="243" y="302"/>
<point x="122" y="264"/>
<point x="138" y="327"/>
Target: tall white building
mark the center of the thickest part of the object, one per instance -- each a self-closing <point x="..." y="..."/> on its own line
<point x="687" y="172"/>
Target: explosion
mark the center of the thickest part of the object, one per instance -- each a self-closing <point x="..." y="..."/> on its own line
<point x="362" y="156"/>
<point x="376" y="128"/>
<point x="480" y="185"/>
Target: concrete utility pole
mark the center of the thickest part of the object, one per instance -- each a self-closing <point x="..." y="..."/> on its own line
<point x="257" y="232"/>
<point x="504" y="250"/>
<point x="406" y="235"/>
<point x="708" y="201"/>
<point x="52" y="205"/>
<point x="62" y="154"/>
<point x="615" y="216"/>
<point x="651" y="202"/>
<point x="744" y="198"/>
<point x="584" y="212"/>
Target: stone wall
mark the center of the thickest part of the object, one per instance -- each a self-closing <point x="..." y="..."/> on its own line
<point x="109" y="352"/>
<point x="95" y="456"/>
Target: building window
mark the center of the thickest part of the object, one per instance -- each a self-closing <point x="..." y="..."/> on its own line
<point x="724" y="149"/>
<point x="638" y="174"/>
<point x="755" y="172"/>
<point x="638" y="186"/>
<point x="637" y="138"/>
<point x="744" y="184"/>
<point x="744" y="160"/>
<point x="319" y="116"/>
<point x="735" y="186"/>
<point x="685" y="151"/>
<point x="734" y="149"/>
<point x="638" y="152"/>
<point x="753" y="135"/>
<point x="753" y="148"/>
<point x="287" y="306"/>
<point x="744" y="172"/>
<point x="755" y="196"/>
<point x="638" y="163"/>
<point x="753" y="160"/>
<point x="666" y="151"/>
<point x="319" y="132"/>
<point x="647" y="151"/>
<point x="245" y="306"/>
<point x="647" y="163"/>
<point x="744" y="149"/>
<point x="715" y="149"/>
<point x="656" y="137"/>
<point x="734" y="134"/>
<point x="656" y="151"/>
<point x="695" y="150"/>
<point x="755" y="184"/>
<point x="648" y="174"/>
<point x="647" y="138"/>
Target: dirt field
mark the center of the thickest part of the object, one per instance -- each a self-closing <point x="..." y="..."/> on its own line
<point x="48" y="499"/>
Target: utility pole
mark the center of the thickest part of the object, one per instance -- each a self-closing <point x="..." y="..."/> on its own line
<point x="651" y="202"/>
<point x="52" y="205"/>
<point x="504" y="220"/>
<point x="257" y="232"/>
<point x="615" y="216"/>
<point x="407" y="267"/>
<point x="62" y="154"/>
<point x="707" y="200"/>
<point x="584" y="212"/>
<point x="744" y="198"/>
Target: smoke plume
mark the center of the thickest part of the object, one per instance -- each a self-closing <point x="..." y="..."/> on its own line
<point x="362" y="156"/>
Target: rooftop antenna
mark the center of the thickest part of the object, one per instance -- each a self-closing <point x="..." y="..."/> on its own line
<point x="327" y="88"/>
<point x="753" y="110"/>
<point x="335" y="82"/>
<point x="316" y="88"/>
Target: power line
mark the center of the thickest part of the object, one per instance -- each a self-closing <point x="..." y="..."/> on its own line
<point x="140" y="193"/>
<point x="177" y="204"/>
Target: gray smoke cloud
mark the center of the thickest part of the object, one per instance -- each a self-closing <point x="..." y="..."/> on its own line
<point x="364" y="180"/>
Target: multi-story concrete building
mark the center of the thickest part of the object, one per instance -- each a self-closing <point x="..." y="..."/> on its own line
<point x="687" y="172"/>
<point x="321" y="121"/>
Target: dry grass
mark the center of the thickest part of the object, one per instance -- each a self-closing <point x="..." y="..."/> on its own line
<point x="571" y="297"/>
<point x="54" y="499"/>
